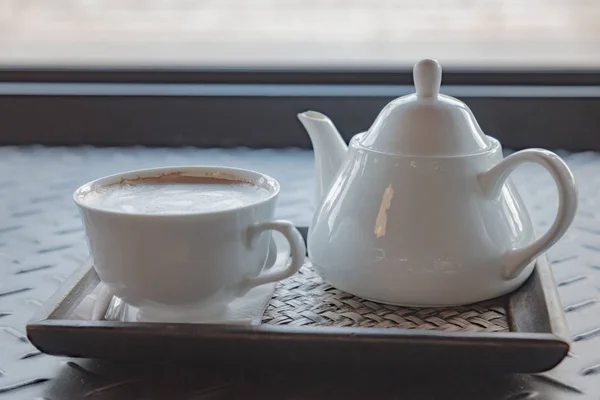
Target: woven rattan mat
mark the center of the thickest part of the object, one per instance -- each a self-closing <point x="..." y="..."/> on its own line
<point x="305" y="300"/>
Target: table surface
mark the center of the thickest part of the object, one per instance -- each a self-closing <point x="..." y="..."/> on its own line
<point x="41" y="243"/>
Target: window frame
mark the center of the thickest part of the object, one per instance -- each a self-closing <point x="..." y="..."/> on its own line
<point x="253" y="107"/>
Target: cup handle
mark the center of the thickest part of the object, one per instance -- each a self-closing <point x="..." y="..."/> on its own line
<point x="492" y="182"/>
<point x="297" y="251"/>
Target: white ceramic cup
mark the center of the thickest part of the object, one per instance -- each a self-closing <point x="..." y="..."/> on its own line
<point x="192" y="263"/>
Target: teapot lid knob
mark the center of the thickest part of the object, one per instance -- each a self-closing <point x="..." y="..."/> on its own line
<point x="426" y="123"/>
<point x="427" y="75"/>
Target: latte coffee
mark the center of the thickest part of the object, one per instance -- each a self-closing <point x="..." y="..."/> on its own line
<point x="173" y="194"/>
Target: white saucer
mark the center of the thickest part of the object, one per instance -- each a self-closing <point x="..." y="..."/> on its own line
<point x="101" y="305"/>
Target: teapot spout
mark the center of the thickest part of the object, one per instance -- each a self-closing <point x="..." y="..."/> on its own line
<point x="329" y="149"/>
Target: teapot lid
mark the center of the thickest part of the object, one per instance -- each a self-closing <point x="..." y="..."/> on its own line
<point x="426" y="123"/>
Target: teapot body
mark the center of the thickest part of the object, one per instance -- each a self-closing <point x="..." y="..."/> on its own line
<point x="419" y="231"/>
<point x="420" y="209"/>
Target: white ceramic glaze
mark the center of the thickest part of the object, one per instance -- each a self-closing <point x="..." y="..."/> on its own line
<point x="100" y="304"/>
<point x="421" y="210"/>
<point x="426" y="123"/>
<point x="194" y="263"/>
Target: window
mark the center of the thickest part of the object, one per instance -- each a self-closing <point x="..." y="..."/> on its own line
<point x="166" y="72"/>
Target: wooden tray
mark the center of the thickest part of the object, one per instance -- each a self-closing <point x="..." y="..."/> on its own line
<point x="522" y="332"/>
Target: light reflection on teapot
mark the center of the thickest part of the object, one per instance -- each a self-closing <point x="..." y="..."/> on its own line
<point x="428" y="190"/>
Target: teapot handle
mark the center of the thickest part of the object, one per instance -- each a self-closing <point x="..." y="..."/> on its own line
<point x="492" y="182"/>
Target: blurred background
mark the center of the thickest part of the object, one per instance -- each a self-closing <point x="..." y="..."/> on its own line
<point x="490" y="33"/>
<point x="166" y="72"/>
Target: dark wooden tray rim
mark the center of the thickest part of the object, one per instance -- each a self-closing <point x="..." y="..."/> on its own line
<point x="537" y="341"/>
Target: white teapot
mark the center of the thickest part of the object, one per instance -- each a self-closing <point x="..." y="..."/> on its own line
<point x="420" y="210"/>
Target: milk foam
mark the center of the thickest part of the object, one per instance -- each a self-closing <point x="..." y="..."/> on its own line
<point x="152" y="196"/>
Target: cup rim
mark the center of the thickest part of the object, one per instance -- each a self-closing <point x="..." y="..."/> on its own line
<point x="260" y="179"/>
